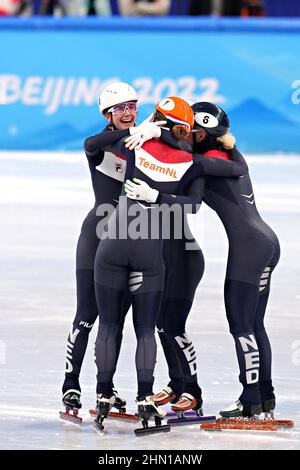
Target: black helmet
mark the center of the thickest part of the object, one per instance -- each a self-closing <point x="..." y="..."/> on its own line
<point x="210" y="117"/>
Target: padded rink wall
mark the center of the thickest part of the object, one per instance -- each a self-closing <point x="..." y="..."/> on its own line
<point x="52" y="71"/>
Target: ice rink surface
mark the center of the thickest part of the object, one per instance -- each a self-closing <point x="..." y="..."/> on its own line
<point x="43" y="200"/>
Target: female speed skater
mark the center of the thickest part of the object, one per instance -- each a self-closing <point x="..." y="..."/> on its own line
<point x="254" y="252"/>
<point x="184" y="270"/>
<point x="118" y="103"/>
<point x="133" y="262"/>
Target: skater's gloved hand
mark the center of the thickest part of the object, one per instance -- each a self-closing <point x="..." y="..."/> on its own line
<point x="145" y="131"/>
<point x="149" y="120"/>
<point x="140" y="191"/>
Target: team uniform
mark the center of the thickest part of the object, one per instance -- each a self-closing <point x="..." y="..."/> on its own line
<point x="184" y="264"/>
<point x="107" y="174"/>
<point x="253" y="254"/>
<point x="135" y="264"/>
<point x="138" y="263"/>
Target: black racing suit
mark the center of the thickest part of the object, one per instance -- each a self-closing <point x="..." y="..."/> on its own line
<point x="134" y="260"/>
<point x="254" y="252"/>
<point x="107" y="174"/>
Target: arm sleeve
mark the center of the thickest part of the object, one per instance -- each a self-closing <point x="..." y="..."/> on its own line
<point x="98" y="143"/>
<point x="209" y="166"/>
<point x="191" y="199"/>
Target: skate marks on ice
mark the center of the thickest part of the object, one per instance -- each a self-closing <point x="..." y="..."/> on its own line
<point x="37" y="428"/>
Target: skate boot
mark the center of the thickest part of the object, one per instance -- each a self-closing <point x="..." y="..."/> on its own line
<point x="71" y="400"/>
<point x="187" y="403"/>
<point x="241" y="416"/>
<point x="238" y="410"/>
<point x="188" y="410"/>
<point x="147" y="409"/>
<point x="120" y="406"/>
<point x="120" y="403"/>
<point x="103" y="407"/>
<point x="268" y="408"/>
<point x="165" y="396"/>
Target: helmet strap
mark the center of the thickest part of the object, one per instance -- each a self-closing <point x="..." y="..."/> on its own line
<point x="111" y="124"/>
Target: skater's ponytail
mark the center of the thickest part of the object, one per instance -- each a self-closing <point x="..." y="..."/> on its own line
<point x="227" y="140"/>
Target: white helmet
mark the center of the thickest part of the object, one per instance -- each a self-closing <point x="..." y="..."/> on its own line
<point x="116" y="93"/>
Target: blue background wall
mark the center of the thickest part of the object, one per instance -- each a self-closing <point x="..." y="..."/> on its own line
<point x="53" y="70"/>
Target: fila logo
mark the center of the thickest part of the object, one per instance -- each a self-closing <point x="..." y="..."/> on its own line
<point x="70" y="345"/>
<point x="86" y="325"/>
<point x="112" y="166"/>
<point x="249" y="196"/>
<point x="251" y="355"/>
<point x="119" y="167"/>
<point x="160" y="169"/>
<point x="189" y="351"/>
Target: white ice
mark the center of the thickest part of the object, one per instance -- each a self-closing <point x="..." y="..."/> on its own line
<point x="43" y="200"/>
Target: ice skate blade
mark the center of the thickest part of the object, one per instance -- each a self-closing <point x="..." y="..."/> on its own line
<point x="281" y="423"/>
<point x="123" y="416"/>
<point x="67" y="416"/>
<point x="99" y="427"/>
<point x="118" y="415"/>
<point x="189" y="420"/>
<point x="152" y="430"/>
<point x="238" y="425"/>
<point x="186" y="413"/>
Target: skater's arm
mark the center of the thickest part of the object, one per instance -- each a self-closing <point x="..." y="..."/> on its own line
<point x="191" y="199"/>
<point x="108" y="140"/>
<point x="100" y="142"/>
<point x="220" y="167"/>
<point x="211" y="165"/>
<point x="229" y="163"/>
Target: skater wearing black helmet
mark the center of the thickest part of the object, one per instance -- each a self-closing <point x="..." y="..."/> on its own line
<point x="253" y="254"/>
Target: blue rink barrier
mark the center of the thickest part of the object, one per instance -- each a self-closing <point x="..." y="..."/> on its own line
<point x="52" y="71"/>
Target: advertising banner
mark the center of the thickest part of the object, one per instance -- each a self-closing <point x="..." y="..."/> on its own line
<point x="51" y="78"/>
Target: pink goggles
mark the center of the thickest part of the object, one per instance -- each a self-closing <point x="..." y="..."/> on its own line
<point x="120" y="108"/>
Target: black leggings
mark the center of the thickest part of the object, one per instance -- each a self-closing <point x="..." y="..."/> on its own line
<point x="87" y="310"/>
<point x="245" y="302"/>
<point x="120" y="265"/>
<point x="184" y="270"/>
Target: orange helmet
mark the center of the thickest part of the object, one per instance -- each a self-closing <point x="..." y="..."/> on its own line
<point x="177" y="111"/>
